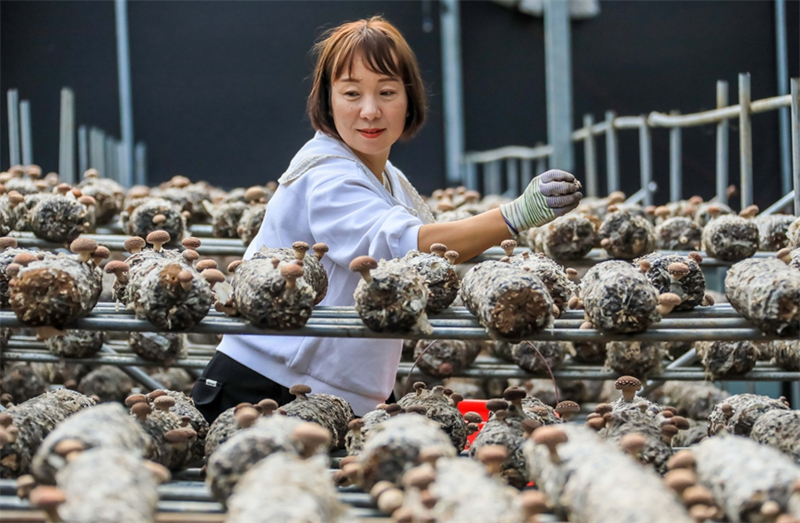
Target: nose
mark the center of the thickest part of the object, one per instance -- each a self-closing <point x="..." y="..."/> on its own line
<point x="370" y="109"/>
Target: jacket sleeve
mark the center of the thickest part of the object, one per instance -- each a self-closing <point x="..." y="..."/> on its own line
<point x="348" y="215"/>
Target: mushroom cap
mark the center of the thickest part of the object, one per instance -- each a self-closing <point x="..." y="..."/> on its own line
<point x="492" y="454"/>
<point x="24" y="258"/>
<point x="681" y="460"/>
<point x="644" y="265"/>
<point x="190" y="255"/>
<point x="164" y="402"/>
<point x="213" y="276"/>
<point x="141" y="409"/>
<point x="15" y="197"/>
<point x="529" y="425"/>
<point x="680" y="479"/>
<point x="662" y="211"/>
<point x="697" y="495"/>
<point x="206" y="264"/>
<point x="549" y="435"/>
<point x="320" y="248"/>
<point x="416" y="409"/>
<point x="311" y="434"/>
<point x="628" y="382"/>
<point x="681" y="422"/>
<point x="179" y="435"/>
<point x="514" y="394"/>
<point x="158" y="237"/>
<point x="451" y="256"/>
<point x="91" y="173"/>
<point x="568" y="407"/>
<point x="46" y="496"/>
<point x="5" y="419"/>
<point x="87" y="200"/>
<point x="232" y="266"/>
<point x="669" y="298"/>
<point x="363" y="263"/>
<point x="633" y="442"/>
<point x="508" y="244"/>
<point x="133" y="399"/>
<point x="134" y="243"/>
<point x="101" y="252"/>
<point x="7" y="243"/>
<point x="291" y="271"/>
<point x="419" y="477"/>
<point x="65" y="446"/>
<point x="669" y="430"/>
<point x="185" y="276"/>
<point x="496" y="404"/>
<point x="246" y="416"/>
<point x="473" y="417"/>
<point x="596" y="423"/>
<point x="79" y="245"/>
<point x="393" y="408"/>
<point x="696" y="256"/>
<point x="191" y="243"/>
<point x="602" y="408"/>
<point x="678" y="268"/>
<point x="300" y="246"/>
<point x="356" y="424"/>
<point x="156" y="394"/>
<point x="299" y="389"/>
<point x="438" y="248"/>
<point x="254" y="193"/>
<point x="268" y="405"/>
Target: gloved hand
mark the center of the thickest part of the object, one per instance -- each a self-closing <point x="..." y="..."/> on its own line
<point x="551" y="194"/>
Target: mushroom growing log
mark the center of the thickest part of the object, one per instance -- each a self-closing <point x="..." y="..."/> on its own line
<point x="170" y="435"/>
<point x="779" y="429"/>
<point x="626" y="235"/>
<point x="730" y="238"/>
<point x="679" y="275"/>
<point x="727" y="359"/>
<point x="108" y="194"/>
<point x="439" y="408"/>
<point x="225" y="218"/>
<point x="331" y="412"/>
<point x="443" y="358"/>
<point x="391" y="296"/>
<point x="533" y="356"/>
<point x="571" y="465"/>
<point x="271" y="294"/>
<point x="436" y="270"/>
<point x="183" y="407"/>
<point x="155" y="214"/>
<point x="163" y="347"/>
<point x="104" y="485"/>
<point x="253" y="216"/>
<point x="656" y="430"/>
<point x="509" y="302"/>
<point x="361" y="427"/>
<point x="313" y="271"/>
<point x="679" y="234"/>
<point x="106" y="383"/>
<point x="286" y="487"/>
<point x="767" y="293"/>
<point x="786" y="354"/>
<point x="61" y="218"/>
<point x="639" y="358"/>
<point x="619" y="298"/>
<point x="749" y="481"/>
<point x="772" y="231"/>
<point x="569" y="237"/>
<point x="553" y="275"/>
<point x="23" y="427"/>
<point x="165" y="288"/>
<point x="76" y="343"/>
<point x="394" y="447"/>
<point x="22" y="381"/>
<point x="107" y="426"/>
<point x="231" y="460"/>
<point x="693" y="400"/>
<point x="54" y="291"/>
<point x="739" y="413"/>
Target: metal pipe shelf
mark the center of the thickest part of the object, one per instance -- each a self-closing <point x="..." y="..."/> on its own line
<point x="235" y="247"/>
<point x="687" y="329"/>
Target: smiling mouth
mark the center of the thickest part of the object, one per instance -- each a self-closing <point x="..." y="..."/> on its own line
<point x="371" y="133"/>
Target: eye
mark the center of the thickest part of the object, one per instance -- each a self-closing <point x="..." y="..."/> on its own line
<point x="387" y="93"/>
<point x="351" y="94"/>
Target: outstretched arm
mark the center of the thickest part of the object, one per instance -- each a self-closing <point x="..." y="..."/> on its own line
<point x="549" y="195"/>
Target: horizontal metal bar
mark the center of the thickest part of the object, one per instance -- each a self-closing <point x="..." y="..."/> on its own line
<point x="656" y="119"/>
<point x="511" y="151"/>
<point x="628" y="122"/>
<point x="597" y="130"/>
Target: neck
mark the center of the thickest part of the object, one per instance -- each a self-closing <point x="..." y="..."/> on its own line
<point x="376" y="163"/>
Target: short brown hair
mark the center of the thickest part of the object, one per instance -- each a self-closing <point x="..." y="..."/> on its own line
<point x="379" y="41"/>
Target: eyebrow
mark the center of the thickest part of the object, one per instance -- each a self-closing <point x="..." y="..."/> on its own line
<point x="381" y="79"/>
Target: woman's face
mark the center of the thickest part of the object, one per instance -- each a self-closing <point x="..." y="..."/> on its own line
<point x="369" y="110"/>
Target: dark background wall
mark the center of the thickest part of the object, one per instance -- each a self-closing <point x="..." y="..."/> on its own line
<point x="219" y="87"/>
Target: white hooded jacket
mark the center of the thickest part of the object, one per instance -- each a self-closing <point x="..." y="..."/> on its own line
<point x="328" y="195"/>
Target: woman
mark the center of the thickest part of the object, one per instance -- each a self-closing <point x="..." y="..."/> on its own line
<point x="340" y="189"/>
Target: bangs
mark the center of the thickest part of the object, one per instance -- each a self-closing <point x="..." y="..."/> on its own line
<point x="378" y="50"/>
